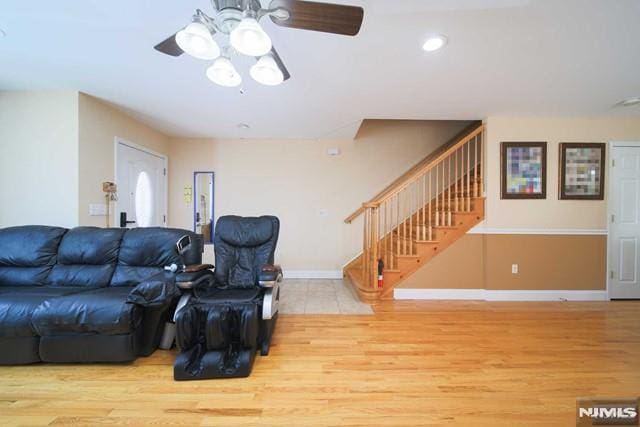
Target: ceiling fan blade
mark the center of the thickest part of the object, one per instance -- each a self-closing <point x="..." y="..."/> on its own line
<point x="169" y="47"/>
<point x="281" y="65"/>
<point x="324" y="17"/>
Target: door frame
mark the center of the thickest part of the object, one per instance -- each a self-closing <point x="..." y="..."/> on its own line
<point x="609" y="174"/>
<point x="165" y="160"/>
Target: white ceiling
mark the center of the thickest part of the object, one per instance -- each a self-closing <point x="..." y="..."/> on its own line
<point x="514" y="57"/>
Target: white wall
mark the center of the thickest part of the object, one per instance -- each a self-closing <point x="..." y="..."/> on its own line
<point x="39" y="158"/>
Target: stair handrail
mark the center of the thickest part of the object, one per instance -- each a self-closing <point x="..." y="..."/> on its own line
<point x="376" y="201"/>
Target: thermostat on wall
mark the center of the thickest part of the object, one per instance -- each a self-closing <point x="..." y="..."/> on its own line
<point x="333" y="151"/>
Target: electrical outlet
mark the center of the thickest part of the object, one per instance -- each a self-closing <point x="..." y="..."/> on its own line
<point x="514" y="268"/>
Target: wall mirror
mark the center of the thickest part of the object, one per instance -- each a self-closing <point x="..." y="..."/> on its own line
<point x="203" y="185"/>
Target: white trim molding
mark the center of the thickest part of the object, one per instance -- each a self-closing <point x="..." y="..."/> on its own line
<point x="500" y="295"/>
<point x="542" y="231"/>
<point x="312" y="274"/>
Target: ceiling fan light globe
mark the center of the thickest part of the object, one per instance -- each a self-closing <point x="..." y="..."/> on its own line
<point x="197" y="41"/>
<point x="223" y="73"/>
<point x="250" y="39"/>
<point x="267" y="72"/>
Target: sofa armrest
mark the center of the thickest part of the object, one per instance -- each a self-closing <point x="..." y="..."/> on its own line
<point x="157" y="291"/>
<point x="270" y="275"/>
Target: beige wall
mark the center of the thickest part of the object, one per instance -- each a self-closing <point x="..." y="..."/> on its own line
<point x="545" y="262"/>
<point x="39" y="158"/>
<point x="461" y="266"/>
<point x="99" y="125"/>
<point x="310" y="191"/>
<point x="550" y="213"/>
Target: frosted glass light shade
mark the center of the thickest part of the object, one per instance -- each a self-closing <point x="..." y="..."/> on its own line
<point x="267" y="72"/>
<point x="223" y="72"/>
<point x="197" y="41"/>
<point x="250" y="39"/>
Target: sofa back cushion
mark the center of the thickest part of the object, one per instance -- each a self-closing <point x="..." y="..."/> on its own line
<point x="243" y="245"/>
<point x="87" y="256"/>
<point x="27" y="254"/>
<point x="145" y="252"/>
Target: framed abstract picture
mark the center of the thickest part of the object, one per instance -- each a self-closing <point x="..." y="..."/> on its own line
<point x="582" y="171"/>
<point x="524" y="170"/>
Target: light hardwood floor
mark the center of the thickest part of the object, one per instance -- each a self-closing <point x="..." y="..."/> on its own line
<point x="411" y="363"/>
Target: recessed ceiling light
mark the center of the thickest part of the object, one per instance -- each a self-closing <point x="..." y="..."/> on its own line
<point x="243" y="126"/>
<point x="434" y="43"/>
<point x="629" y="102"/>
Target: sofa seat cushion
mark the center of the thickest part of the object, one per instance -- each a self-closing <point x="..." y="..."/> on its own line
<point x="100" y="311"/>
<point x="18" y="303"/>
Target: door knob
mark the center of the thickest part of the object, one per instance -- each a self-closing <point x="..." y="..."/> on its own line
<point x="123" y="220"/>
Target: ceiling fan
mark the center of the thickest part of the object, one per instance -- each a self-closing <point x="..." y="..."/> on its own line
<point x="238" y="23"/>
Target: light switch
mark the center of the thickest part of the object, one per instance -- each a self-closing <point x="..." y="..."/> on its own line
<point x="514" y="268"/>
<point x="97" y="209"/>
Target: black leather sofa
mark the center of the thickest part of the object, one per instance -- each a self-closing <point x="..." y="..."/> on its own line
<point x="231" y="317"/>
<point x="86" y="294"/>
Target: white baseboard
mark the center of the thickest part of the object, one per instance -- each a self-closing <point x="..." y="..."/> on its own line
<point x="495" y="295"/>
<point x="312" y="274"/>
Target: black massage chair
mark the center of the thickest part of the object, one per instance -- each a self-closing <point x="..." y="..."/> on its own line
<point x="231" y="314"/>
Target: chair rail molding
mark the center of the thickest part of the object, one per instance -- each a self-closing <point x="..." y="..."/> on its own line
<point x="501" y="295"/>
<point x="543" y="231"/>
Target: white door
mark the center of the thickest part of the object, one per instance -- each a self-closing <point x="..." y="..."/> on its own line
<point x="142" y="188"/>
<point x="624" y="227"/>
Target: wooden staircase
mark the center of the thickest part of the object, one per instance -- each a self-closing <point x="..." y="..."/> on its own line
<point x="419" y="215"/>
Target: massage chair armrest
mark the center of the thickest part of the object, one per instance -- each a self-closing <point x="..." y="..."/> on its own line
<point x="195" y="276"/>
<point x="157" y="291"/>
<point x="270" y="275"/>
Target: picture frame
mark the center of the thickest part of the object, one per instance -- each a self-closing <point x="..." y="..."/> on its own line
<point x="582" y="170"/>
<point x="523" y="167"/>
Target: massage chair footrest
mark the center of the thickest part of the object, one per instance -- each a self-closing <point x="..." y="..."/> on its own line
<point x="217" y="340"/>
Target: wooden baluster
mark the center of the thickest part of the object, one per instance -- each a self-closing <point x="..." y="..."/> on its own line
<point x="404" y="224"/>
<point x="444" y="201"/>
<point x="387" y="252"/>
<point x="449" y="191"/>
<point x="397" y="225"/>
<point x="437" y="215"/>
<point x="455" y="198"/>
<point x="390" y="232"/>
<point x="475" y="166"/>
<point x="480" y="171"/>
<point x="424" y="207"/>
<point x="411" y="223"/>
<point x="427" y="208"/>
<point x="468" y="177"/>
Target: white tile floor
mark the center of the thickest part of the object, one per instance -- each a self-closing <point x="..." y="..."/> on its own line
<point x="313" y="296"/>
